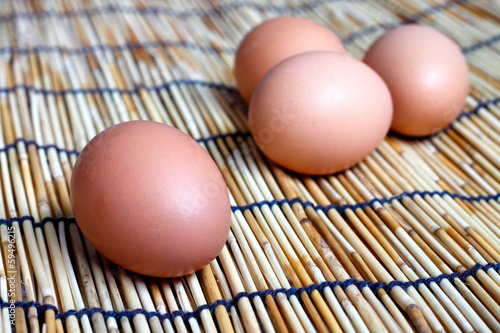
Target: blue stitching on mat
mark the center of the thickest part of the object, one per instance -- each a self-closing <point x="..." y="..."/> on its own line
<point x="363" y="205"/>
<point x="164" y="10"/>
<point x="211" y="49"/>
<point x="166" y="85"/>
<point x="208" y="49"/>
<point x="481" y="44"/>
<point x="113" y="48"/>
<point x="31" y="142"/>
<point x="224" y="136"/>
<point x="411" y="19"/>
<point x="326" y="209"/>
<point x="13" y="145"/>
<point x="76" y="152"/>
<point x="135" y="90"/>
<point x="374" y="286"/>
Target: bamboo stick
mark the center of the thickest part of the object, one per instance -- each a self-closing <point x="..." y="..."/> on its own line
<point x="71" y="69"/>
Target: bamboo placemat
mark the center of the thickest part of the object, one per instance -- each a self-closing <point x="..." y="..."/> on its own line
<point x="409" y="239"/>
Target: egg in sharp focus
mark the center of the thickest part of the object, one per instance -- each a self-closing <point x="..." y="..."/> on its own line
<point x="320" y="112"/>
<point x="149" y="198"/>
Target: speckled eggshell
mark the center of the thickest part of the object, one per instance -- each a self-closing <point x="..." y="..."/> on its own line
<point x="320" y="112"/>
<point x="427" y="75"/>
<point x="149" y="198"/>
<point x="275" y="40"/>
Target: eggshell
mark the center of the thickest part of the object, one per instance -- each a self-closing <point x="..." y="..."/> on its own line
<point x="320" y="112"/>
<point x="427" y="75"/>
<point x="274" y="41"/>
<point x="151" y="199"/>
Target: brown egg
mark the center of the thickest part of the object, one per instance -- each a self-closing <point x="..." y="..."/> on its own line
<point x="274" y="41"/>
<point x="320" y="112"/>
<point x="149" y="198"/>
<point x="427" y="75"/>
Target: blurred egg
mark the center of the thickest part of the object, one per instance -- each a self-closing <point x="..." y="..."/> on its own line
<point x="149" y="198"/>
<point x="274" y="41"/>
<point x="427" y="75"/>
<point x="320" y="112"/>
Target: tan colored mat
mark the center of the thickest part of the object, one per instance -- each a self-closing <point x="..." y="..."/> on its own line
<point x="407" y="240"/>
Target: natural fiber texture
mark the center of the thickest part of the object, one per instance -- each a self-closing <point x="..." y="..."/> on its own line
<point x="409" y="239"/>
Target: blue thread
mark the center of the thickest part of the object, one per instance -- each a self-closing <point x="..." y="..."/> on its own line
<point x="363" y="205"/>
<point x="376" y="286"/>
<point x="481" y="44"/>
<point x="391" y="285"/>
<point x="435" y="9"/>
<point x="411" y="19"/>
<point x="211" y="49"/>
<point x="224" y="136"/>
<point x="20" y="220"/>
<point x="135" y="90"/>
<point x="151" y="314"/>
<point x="466" y="115"/>
<point x="189" y="45"/>
<point x="422" y="281"/>
<point x="363" y="284"/>
<point x="31" y="142"/>
<point x="217" y="303"/>
<point x="130" y="46"/>
<point x="130" y="314"/>
<point x="340" y="209"/>
<point x="75" y="152"/>
<point x="218" y="86"/>
<point x="166" y="86"/>
<point x="290" y="292"/>
<point x="31" y="219"/>
<point x="164" y="10"/>
<point x="348" y="283"/>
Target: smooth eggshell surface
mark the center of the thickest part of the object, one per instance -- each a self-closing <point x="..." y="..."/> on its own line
<point x="149" y="198"/>
<point x="427" y="75"/>
<point x="274" y="41"/>
<point x="320" y="112"/>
